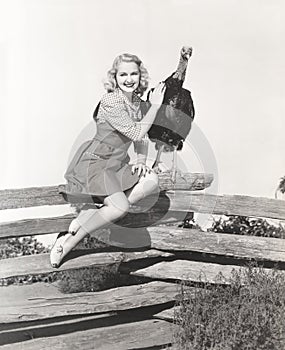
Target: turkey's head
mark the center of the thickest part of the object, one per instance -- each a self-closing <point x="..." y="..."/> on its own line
<point x="186" y="52"/>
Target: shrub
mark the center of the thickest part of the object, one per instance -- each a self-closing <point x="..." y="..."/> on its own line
<point x="247" y="315"/>
<point x="281" y="186"/>
<point x="89" y="279"/>
<point x="189" y="222"/>
<point x="13" y="247"/>
<point x="29" y="279"/>
<point x="247" y="226"/>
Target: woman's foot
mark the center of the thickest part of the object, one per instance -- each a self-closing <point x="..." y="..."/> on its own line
<point x="74" y="226"/>
<point x="56" y="253"/>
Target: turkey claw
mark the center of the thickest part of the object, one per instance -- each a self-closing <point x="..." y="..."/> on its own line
<point x="157" y="169"/>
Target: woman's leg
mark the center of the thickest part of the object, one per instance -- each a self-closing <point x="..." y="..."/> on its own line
<point x="146" y="186"/>
<point x="115" y="206"/>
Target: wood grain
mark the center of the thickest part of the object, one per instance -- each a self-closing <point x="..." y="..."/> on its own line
<point x="170" y="207"/>
<point x="167" y="314"/>
<point x="18" y="332"/>
<point x="228" y="245"/>
<point x="225" y="204"/>
<point x="48" y="225"/>
<point x="164" y="241"/>
<point x="135" y="335"/>
<point x="39" y="264"/>
<point x="191" y="271"/>
<point x="49" y="195"/>
<point x="112" y="300"/>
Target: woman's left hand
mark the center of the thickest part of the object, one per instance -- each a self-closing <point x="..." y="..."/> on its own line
<point x="141" y="168"/>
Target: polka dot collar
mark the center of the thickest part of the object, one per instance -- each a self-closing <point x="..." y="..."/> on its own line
<point x="136" y="100"/>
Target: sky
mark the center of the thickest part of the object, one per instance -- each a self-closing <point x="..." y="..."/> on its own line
<point x="55" y="53"/>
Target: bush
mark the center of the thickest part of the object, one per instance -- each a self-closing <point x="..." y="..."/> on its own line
<point x="281" y="186"/>
<point x="13" y="247"/>
<point x="247" y="315"/>
<point x="189" y="222"/>
<point x="89" y="279"/>
<point x="29" y="279"/>
<point x="247" y="226"/>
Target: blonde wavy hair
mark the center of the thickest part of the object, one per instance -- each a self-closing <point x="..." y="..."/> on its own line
<point x="110" y="83"/>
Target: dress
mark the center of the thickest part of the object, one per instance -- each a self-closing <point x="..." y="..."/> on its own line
<point x="100" y="167"/>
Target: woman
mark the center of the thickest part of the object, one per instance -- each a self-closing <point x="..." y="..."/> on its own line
<point x="100" y="169"/>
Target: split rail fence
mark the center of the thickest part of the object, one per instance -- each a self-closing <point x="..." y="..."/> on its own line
<point x="138" y="316"/>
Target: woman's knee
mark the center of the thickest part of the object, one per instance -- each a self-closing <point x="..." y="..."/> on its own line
<point x="151" y="180"/>
<point x="119" y="204"/>
<point x="154" y="177"/>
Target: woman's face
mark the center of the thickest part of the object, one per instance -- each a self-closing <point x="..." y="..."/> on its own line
<point x="128" y="76"/>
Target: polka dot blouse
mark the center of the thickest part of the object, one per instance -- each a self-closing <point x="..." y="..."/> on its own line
<point x="123" y="115"/>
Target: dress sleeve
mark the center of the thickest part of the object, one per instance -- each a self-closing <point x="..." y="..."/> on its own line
<point x="115" y="112"/>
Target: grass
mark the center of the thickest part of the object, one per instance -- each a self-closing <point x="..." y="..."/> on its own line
<point x="90" y="279"/>
<point x="247" y="315"/>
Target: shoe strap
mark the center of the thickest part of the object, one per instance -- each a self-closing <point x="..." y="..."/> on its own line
<point x="59" y="249"/>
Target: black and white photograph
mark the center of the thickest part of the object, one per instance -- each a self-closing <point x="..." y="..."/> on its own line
<point x="142" y="180"/>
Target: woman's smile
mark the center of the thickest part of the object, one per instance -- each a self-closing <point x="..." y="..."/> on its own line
<point x="128" y="77"/>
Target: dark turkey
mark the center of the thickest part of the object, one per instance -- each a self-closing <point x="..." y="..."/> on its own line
<point x="174" y="118"/>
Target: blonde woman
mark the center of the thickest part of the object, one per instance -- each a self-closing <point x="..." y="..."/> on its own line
<point x="100" y="168"/>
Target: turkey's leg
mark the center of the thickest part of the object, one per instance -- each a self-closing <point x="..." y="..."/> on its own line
<point x="155" y="165"/>
<point x="174" y="165"/>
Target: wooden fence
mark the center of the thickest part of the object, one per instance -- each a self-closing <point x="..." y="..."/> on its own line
<point x="137" y="316"/>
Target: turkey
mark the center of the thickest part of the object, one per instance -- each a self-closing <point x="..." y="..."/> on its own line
<point x="174" y="118"/>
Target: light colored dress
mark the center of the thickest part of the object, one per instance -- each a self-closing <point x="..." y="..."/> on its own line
<point x="100" y="167"/>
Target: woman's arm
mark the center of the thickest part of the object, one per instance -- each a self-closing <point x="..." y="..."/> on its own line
<point x="156" y="98"/>
<point x="113" y="110"/>
<point x="141" y="145"/>
<point x="141" y="149"/>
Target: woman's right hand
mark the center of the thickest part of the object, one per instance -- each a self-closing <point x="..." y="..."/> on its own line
<point x="157" y="95"/>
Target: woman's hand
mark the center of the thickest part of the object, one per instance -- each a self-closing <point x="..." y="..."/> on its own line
<point x="141" y="168"/>
<point x="157" y="95"/>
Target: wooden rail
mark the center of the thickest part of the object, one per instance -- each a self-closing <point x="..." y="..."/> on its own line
<point x="121" y="317"/>
<point x="49" y="195"/>
<point x="164" y="242"/>
<point x="169" y="208"/>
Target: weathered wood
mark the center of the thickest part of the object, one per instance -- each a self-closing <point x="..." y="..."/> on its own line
<point x="39" y="264"/>
<point x="187" y="201"/>
<point x="30" y="197"/>
<point x="167" y="314"/>
<point x="136" y="335"/>
<point x="191" y="271"/>
<point x="15" y="294"/>
<point x="224" y="204"/>
<point x="49" y="195"/>
<point x="229" y="245"/>
<point x="170" y="207"/>
<point x="37" y="226"/>
<point x="185" y="181"/>
<point x="161" y="238"/>
<point x="18" y="332"/>
<point x="41" y="226"/>
<point x="112" y="300"/>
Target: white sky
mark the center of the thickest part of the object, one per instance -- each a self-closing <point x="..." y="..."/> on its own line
<point x="55" y="53"/>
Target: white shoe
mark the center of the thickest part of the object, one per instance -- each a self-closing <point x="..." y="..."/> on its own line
<point x="57" y="250"/>
<point x="74" y="226"/>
